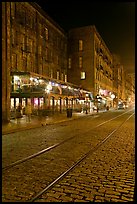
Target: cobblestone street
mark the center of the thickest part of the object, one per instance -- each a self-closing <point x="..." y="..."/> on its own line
<point x="106" y="176"/>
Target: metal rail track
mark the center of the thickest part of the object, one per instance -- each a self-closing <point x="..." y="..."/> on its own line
<point x="57" y="144"/>
<point x="91" y="151"/>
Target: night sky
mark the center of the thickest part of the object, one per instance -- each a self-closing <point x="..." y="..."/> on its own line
<point x="115" y="22"/>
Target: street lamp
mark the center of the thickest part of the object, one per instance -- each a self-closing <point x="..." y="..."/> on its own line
<point x="113" y="96"/>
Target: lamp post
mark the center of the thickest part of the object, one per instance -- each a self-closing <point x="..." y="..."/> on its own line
<point x="48" y="89"/>
<point x="113" y="96"/>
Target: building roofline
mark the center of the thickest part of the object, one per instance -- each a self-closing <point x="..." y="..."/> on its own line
<point x="45" y="15"/>
<point x="93" y="27"/>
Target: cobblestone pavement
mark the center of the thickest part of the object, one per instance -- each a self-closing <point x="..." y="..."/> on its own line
<point x="108" y="175"/>
<point x="95" y="170"/>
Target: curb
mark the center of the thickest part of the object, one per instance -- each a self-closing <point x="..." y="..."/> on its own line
<point x="32" y="126"/>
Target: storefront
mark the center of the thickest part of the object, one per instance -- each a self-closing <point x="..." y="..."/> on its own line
<point x="44" y="94"/>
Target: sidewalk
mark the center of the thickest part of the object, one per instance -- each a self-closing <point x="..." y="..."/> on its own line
<point x="36" y="121"/>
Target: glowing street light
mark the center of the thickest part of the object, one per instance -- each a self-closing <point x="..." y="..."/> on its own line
<point x="49" y="87"/>
<point x="112" y="96"/>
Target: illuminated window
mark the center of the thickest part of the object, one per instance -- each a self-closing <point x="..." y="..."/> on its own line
<point x="80" y="45"/>
<point x="65" y="78"/>
<point x="51" y="73"/>
<point x="83" y="75"/>
<point x="80" y="62"/>
<point x="69" y="63"/>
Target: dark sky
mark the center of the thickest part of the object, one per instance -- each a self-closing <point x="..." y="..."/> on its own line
<point x="115" y="22"/>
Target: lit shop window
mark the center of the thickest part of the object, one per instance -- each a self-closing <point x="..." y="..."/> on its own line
<point x="83" y="75"/>
<point x="80" y="62"/>
<point x="80" y="45"/>
<point x="69" y="63"/>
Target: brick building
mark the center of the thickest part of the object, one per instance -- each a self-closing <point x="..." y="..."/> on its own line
<point x="54" y="70"/>
<point x="34" y="60"/>
<point x="90" y="63"/>
<point x="123" y="84"/>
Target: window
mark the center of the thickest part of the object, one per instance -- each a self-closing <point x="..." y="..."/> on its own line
<point x="46" y="54"/>
<point x="62" y="76"/>
<point x="40" y="29"/>
<point x="80" y="62"/>
<point x="65" y="78"/>
<point x="23" y="42"/>
<point x="51" y="73"/>
<point x="24" y="63"/>
<point x="80" y="45"/>
<point x="40" y="49"/>
<point x="14" y="61"/>
<point x="46" y="33"/>
<point x="28" y="44"/>
<point x="13" y="10"/>
<point x="69" y="63"/>
<point x="31" y="45"/>
<point x="50" y="57"/>
<point x="58" y="75"/>
<point x="13" y="36"/>
<point x="83" y="75"/>
<point x="57" y="59"/>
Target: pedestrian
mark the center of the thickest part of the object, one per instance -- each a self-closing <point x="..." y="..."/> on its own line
<point x="28" y="112"/>
<point x="86" y="110"/>
<point x="18" y="113"/>
<point x="107" y="108"/>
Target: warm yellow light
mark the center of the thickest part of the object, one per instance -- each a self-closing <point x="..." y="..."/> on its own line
<point x="49" y="87"/>
<point x="16" y="77"/>
<point x="112" y="96"/>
